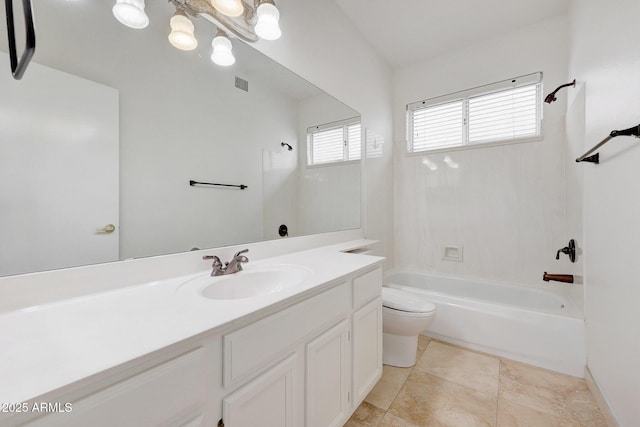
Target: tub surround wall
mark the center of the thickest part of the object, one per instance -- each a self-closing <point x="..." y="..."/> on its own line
<point x="574" y="183"/>
<point x="505" y="205"/>
<point x="604" y="45"/>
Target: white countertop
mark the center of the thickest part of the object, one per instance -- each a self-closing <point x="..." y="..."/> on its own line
<point x="47" y="347"/>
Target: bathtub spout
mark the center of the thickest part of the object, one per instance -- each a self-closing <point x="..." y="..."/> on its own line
<point x="565" y="278"/>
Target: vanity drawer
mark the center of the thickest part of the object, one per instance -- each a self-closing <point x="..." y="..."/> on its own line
<point x="172" y="393"/>
<point x="251" y="349"/>
<point x="367" y="287"/>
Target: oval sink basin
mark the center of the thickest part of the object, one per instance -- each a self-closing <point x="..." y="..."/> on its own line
<point x="262" y="280"/>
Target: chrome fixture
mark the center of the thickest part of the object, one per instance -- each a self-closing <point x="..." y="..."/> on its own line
<point x="552" y="96"/>
<point x="231" y="17"/>
<point x="235" y="264"/>
<point x="216" y="268"/>
<point x="230" y="267"/>
<point x="570" y="250"/>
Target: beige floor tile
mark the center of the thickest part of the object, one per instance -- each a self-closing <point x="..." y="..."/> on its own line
<point x="514" y="415"/>
<point x="365" y="416"/>
<point x="423" y="342"/>
<point x="552" y="393"/>
<point x="388" y="386"/>
<point x="391" y="420"/>
<point x="426" y="400"/>
<point x="464" y="367"/>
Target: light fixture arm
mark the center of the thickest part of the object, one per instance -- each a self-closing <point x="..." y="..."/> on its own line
<point x="240" y="26"/>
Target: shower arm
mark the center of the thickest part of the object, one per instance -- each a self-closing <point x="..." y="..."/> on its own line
<point x="587" y="157"/>
<point x="552" y="96"/>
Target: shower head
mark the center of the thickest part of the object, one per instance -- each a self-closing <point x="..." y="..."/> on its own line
<point x="552" y="96"/>
<point x="284" y="144"/>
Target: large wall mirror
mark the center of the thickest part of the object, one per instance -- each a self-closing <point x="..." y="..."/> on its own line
<point x="109" y="125"/>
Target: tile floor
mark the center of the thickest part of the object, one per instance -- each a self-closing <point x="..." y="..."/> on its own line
<point x="452" y="386"/>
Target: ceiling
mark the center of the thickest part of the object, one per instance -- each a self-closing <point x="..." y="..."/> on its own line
<point x="404" y="32"/>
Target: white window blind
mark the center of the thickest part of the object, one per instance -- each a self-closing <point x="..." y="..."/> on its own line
<point x="507" y="111"/>
<point x="334" y="142"/>
<point x="354" y="141"/>
<point x="438" y="127"/>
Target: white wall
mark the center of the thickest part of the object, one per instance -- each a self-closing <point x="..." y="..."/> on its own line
<point x="604" y="56"/>
<point x="505" y="205"/>
<point x="322" y="46"/>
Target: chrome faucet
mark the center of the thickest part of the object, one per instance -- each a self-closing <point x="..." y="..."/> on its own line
<point x="229" y="267"/>
<point x="217" y="268"/>
<point x="235" y="264"/>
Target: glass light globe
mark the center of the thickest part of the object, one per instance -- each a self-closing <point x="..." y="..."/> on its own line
<point x="228" y="7"/>
<point x="267" y="26"/>
<point x="131" y="13"/>
<point x="181" y="36"/>
<point x="222" y="54"/>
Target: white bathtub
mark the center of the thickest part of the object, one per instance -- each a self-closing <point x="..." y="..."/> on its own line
<point x="535" y="326"/>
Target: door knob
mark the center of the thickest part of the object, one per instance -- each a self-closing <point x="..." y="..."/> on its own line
<point x="109" y="228"/>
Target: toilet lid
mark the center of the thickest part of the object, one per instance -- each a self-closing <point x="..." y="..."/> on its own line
<point x="405" y="301"/>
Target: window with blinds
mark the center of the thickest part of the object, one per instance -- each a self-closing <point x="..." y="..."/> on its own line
<point x="503" y="112"/>
<point x="334" y="142"/>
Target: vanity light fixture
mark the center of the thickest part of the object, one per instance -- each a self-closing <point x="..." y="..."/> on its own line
<point x="231" y="8"/>
<point x="181" y="36"/>
<point x="222" y="54"/>
<point x="131" y="13"/>
<point x="232" y="18"/>
<point x="267" y="26"/>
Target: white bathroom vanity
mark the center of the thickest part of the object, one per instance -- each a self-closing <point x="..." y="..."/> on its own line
<point x="164" y="353"/>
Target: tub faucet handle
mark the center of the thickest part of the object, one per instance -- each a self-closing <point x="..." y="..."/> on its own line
<point x="568" y="250"/>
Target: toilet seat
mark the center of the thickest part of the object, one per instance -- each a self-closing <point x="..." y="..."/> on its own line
<point x="395" y="299"/>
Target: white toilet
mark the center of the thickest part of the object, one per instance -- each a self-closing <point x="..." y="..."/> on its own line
<point x="403" y="318"/>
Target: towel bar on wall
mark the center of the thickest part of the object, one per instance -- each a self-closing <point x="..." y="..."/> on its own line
<point x="241" y="186"/>
<point x="595" y="158"/>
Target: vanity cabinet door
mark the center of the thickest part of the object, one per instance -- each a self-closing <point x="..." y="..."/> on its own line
<point x="367" y="349"/>
<point x="267" y="401"/>
<point x="328" y="377"/>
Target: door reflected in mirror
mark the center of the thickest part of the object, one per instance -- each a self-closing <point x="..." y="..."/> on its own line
<point x="110" y="124"/>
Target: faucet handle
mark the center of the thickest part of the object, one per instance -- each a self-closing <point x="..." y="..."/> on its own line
<point x="215" y="258"/>
<point x="217" y="268"/>
<point x="244" y="251"/>
<point x="570" y="250"/>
